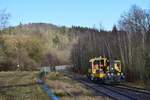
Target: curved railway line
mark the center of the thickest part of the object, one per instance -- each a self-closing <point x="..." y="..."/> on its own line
<point x="115" y="92"/>
<point x="101" y="89"/>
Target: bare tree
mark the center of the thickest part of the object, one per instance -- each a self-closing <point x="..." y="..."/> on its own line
<point x="136" y="24"/>
<point x="4" y="19"/>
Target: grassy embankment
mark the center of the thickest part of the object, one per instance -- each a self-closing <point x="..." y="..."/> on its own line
<point x="68" y="89"/>
<point x="20" y="86"/>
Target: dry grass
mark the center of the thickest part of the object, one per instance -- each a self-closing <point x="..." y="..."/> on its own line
<point x="68" y="89"/>
<point x="11" y="86"/>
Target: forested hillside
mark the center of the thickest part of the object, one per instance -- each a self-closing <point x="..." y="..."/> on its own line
<point x="35" y="45"/>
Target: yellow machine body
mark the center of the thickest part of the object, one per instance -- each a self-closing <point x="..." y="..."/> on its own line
<point x="101" y="68"/>
<point x="96" y="67"/>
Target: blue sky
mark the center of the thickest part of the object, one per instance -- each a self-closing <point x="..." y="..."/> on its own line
<point x="69" y="12"/>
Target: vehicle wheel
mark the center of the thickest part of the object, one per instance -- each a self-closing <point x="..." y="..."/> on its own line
<point x="92" y="78"/>
<point x="88" y="76"/>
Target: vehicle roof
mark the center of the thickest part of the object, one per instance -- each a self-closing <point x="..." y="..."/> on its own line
<point x="117" y="61"/>
<point x="97" y="58"/>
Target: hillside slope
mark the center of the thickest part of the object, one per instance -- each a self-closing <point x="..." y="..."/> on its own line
<point x="35" y="44"/>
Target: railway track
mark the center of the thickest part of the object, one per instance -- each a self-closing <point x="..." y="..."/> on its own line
<point x="136" y="89"/>
<point x="105" y="91"/>
<point x="113" y="91"/>
<point x="131" y="93"/>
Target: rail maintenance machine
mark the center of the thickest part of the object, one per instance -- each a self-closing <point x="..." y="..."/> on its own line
<point x="103" y="70"/>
